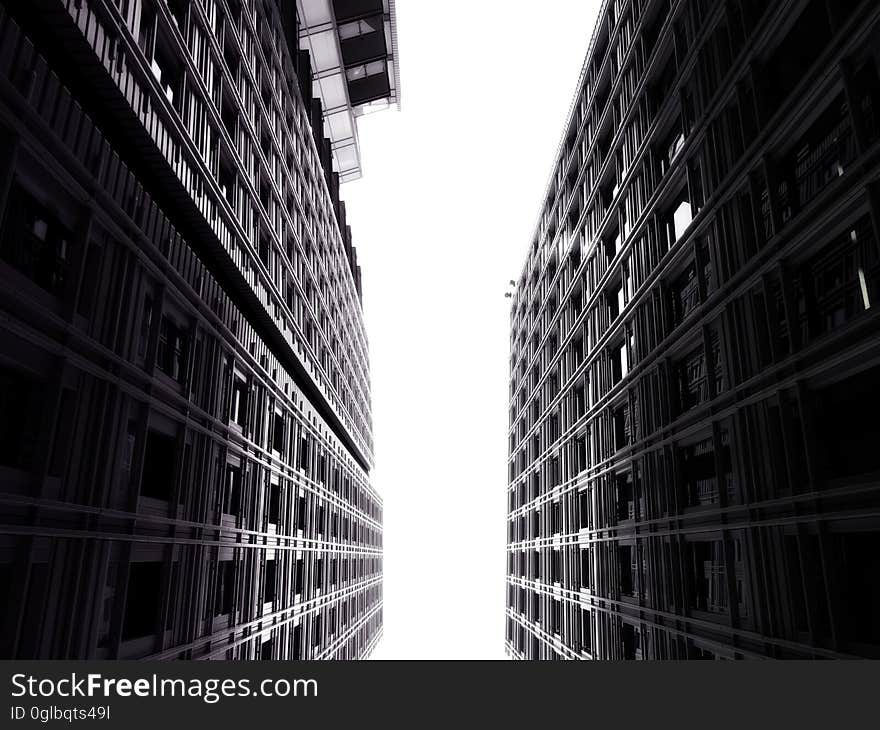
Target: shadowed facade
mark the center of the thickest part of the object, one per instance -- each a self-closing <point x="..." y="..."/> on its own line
<point x="185" y="425"/>
<point x="693" y="468"/>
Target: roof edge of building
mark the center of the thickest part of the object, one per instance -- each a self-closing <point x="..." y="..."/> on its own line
<point x="561" y="145"/>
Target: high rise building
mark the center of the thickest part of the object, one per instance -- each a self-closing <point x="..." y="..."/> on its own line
<point x="694" y="468"/>
<point x="185" y="429"/>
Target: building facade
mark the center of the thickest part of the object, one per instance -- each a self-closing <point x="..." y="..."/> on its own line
<point x="185" y="429"/>
<point x="695" y="360"/>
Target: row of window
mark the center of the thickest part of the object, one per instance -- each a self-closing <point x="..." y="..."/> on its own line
<point x="150" y="606"/>
<point x="164" y="337"/>
<point x="834" y="145"/>
<point x="796" y="441"/>
<point x="830" y="288"/>
<point x="159" y="37"/>
<point x="669" y="331"/>
<point x="824" y="586"/>
<point x="161" y="371"/>
<point x="49" y="237"/>
<point x="32" y="234"/>
<point x="599" y="636"/>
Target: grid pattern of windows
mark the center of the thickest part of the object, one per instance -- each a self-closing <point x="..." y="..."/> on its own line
<point x="694" y="352"/>
<point x="214" y="90"/>
<point x="172" y="485"/>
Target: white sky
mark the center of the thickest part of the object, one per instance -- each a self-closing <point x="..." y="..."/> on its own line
<point x="442" y="220"/>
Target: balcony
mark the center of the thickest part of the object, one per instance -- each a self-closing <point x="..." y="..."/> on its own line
<point x="714" y="587"/>
<point x="693" y="380"/>
<point x="619" y="363"/>
<point x="704" y="491"/>
<point x="670" y="152"/>
<point x="685" y="294"/>
<point x="626" y="508"/>
<point x="824" y="154"/>
<point x="623" y="431"/>
<point x="630" y="571"/>
<point x="709" y="577"/>
<point x="701" y="480"/>
<point x="173" y="350"/>
<point x="840" y="283"/>
<point x="35" y="243"/>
